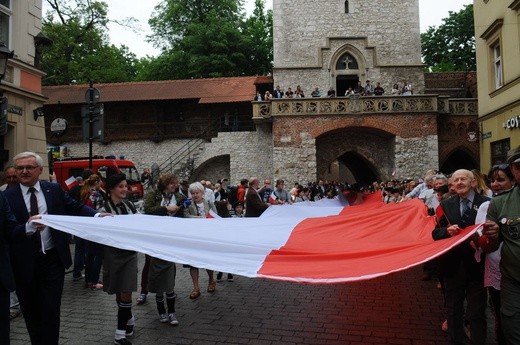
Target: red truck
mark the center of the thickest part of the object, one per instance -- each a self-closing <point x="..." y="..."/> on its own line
<point x="73" y="167"/>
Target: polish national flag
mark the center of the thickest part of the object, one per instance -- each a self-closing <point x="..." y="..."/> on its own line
<point x="71" y="182"/>
<point x="317" y="243"/>
<point x="213" y="214"/>
<point x="273" y="199"/>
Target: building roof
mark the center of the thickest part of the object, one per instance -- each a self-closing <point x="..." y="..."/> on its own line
<point x="214" y="90"/>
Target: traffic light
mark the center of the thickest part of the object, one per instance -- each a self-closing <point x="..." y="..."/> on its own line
<point x="3" y="115"/>
<point x="98" y="122"/>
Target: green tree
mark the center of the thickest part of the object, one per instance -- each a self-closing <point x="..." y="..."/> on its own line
<point x="258" y="33"/>
<point x="81" y="52"/>
<point x="208" y="38"/>
<point x="451" y="46"/>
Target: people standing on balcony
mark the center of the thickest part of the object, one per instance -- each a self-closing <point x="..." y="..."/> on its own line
<point x="299" y="92"/>
<point x="199" y="208"/>
<point x="378" y="90"/>
<point x="278" y="93"/>
<point x="407" y="89"/>
<point x="316" y="92"/>
<point x="349" y="92"/>
<point x="369" y="89"/>
<point x="331" y="93"/>
<point x="395" y="90"/>
<point x="289" y="93"/>
<point x="359" y="89"/>
<point x="258" y="97"/>
<point x="267" y="96"/>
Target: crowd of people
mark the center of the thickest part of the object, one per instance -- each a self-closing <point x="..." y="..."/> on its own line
<point x="33" y="257"/>
<point x="404" y="88"/>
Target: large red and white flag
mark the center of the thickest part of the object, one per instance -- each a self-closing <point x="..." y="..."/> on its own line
<point x="326" y="244"/>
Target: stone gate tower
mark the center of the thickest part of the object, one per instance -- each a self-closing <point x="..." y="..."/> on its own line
<point x="340" y="42"/>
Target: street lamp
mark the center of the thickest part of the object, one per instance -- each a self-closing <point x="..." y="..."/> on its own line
<point x="5" y="54"/>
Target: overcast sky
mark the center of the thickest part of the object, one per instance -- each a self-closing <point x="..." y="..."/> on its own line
<point x="431" y="14"/>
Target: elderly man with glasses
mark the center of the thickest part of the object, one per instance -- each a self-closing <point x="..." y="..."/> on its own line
<point x="503" y="225"/>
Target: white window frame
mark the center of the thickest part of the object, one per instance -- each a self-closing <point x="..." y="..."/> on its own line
<point x="497" y="65"/>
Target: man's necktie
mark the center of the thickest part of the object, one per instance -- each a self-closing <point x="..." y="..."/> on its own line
<point x="465" y="212"/>
<point x="34" y="211"/>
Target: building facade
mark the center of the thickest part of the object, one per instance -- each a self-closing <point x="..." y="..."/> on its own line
<point x="20" y="31"/>
<point x="340" y="42"/>
<point x="323" y="44"/>
<point x="497" y="33"/>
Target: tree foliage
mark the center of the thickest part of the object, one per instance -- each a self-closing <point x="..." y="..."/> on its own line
<point x="451" y="46"/>
<point x="81" y="51"/>
<point x="209" y="38"/>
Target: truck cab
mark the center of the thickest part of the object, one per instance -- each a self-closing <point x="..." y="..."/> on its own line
<point x="102" y="166"/>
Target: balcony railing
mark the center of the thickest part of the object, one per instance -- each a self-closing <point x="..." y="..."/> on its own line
<point x="363" y="105"/>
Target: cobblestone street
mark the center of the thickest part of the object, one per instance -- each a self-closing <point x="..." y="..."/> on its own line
<point x="395" y="309"/>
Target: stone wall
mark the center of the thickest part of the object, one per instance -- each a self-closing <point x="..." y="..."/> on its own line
<point x="248" y="153"/>
<point x="413" y="156"/>
<point x="144" y="153"/>
<point x="232" y="155"/>
<point x="384" y="38"/>
<point x="301" y="29"/>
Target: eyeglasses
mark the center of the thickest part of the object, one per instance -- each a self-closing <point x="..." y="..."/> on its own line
<point x="29" y="168"/>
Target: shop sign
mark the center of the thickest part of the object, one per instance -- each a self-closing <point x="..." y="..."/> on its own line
<point x="14" y="109"/>
<point x="513" y="122"/>
<point x="59" y="126"/>
<point x="486" y="135"/>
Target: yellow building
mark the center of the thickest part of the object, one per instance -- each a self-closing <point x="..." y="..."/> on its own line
<point x="497" y="33"/>
<point x="20" y="31"/>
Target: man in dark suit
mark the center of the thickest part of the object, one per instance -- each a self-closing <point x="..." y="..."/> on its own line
<point x="7" y="224"/>
<point x="39" y="254"/>
<point x="463" y="275"/>
<point x="254" y="204"/>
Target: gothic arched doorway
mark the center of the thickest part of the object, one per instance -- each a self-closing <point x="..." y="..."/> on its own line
<point x="458" y="159"/>
<point x="355" y="155"/>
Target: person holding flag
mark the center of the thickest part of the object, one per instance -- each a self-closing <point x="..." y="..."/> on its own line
<point x="254" y="203"/>
<point x="463" y="275"/>
<point x="199" y="208"/>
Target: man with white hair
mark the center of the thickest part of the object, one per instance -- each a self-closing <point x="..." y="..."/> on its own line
<point x="254" y="203"/>
<point x="463" y="275"/>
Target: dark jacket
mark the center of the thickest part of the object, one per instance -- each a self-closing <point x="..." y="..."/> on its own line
<point x="254" y="205"/>
<point x="464" y="253"/>
<point x="22" y="247"/>
<point x="7" y="225"/>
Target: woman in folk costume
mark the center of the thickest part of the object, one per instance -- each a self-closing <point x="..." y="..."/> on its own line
<point x="199" y="208"/>
<point x="120" y="265"/>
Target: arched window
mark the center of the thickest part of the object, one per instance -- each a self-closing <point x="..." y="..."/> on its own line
<point x="346" y="6"/>
<point x="346" y="61"/>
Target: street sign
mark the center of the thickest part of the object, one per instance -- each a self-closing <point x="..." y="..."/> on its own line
<point x="92" y="95"/>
